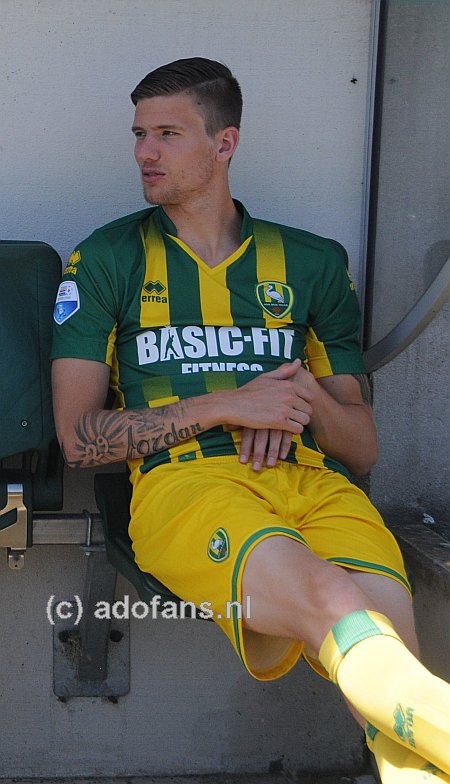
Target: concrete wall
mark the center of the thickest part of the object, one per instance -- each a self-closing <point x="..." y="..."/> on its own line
<point x="412" y="394"/>
<point x="66" y="161"/>
<point x="69" y="66"/>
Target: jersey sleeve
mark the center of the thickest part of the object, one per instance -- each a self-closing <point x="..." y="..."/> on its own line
<point x="86" y="304"/>
<point x="333" y="338"/>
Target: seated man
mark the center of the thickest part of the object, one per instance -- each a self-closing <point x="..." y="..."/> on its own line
<point x="233" y="346"/>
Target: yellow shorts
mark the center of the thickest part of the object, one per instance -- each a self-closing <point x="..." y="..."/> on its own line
<point x="194" y="524"/>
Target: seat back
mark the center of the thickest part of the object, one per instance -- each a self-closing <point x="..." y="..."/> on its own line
<point x="29" y="453"/>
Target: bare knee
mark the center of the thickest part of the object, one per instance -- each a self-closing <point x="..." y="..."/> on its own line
<point x="296" y="594"/>
<point x="392" y="599"/>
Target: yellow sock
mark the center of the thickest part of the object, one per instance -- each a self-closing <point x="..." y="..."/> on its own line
<point x="398" y="765"/>
<point x="392" y="690"/>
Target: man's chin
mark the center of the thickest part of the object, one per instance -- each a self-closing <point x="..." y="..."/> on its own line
<point x="153" y="200"/>
<point x="160" y="200"/>
<point x="157" y="200"/>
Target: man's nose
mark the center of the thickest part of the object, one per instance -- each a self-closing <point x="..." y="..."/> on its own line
<point x="147" y="150"/>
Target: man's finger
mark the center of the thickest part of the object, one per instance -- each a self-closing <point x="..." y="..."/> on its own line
<point x="286" y="371"/>
<point x="248" y="435"/>
<point x="285" y="445"/>
<point x="259" y="448"/>
<point x="273" y="449"/>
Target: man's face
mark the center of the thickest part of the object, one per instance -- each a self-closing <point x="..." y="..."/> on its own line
<point x="175" y="155"/>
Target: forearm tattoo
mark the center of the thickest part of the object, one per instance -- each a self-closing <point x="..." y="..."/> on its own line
<point x="366" y="390"/>
<point x="106" y="436"/>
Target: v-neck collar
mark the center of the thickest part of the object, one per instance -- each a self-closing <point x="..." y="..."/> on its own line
<point x="168" y="227"/>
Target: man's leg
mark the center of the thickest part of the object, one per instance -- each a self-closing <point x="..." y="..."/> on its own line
<point x="396" y="764"/>
<point x="391" y="599"/>
<point x="399" y="765"/>
<point x="295" y="594"/>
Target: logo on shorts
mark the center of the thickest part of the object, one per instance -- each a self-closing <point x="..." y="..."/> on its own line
<point x="219" y="545"/>
<point x="275" y="298"/>
<point x="403" y="724"/>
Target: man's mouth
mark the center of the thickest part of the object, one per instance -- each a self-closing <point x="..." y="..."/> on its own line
<point x="152" y="174"/>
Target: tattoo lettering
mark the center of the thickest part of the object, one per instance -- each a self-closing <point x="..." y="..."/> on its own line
<point x="366" y="391"/>
<point x="172" y="436"/>
<point x="107" y="436"/>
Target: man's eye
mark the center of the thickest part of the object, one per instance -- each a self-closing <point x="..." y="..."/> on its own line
<point x="169" y="133"/>
<point x="139" y="134"/>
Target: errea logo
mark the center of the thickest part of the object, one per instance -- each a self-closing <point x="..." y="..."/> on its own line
<point x="71" y="264"/>
<point x="404" y="724"/>
<point x="154" y="290"/>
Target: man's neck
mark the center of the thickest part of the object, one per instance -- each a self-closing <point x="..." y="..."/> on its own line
<point x="210" y="227"/>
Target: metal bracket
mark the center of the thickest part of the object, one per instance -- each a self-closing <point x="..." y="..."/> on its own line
<point x="91" y="657"/>
<point x="15" y="536"/>
<point x="66" y="658"/>
<point x="16" y="558"/>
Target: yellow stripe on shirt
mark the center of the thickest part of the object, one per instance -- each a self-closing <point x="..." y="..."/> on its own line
<point x="271" y="265"/>
<point x="155" y="277"/>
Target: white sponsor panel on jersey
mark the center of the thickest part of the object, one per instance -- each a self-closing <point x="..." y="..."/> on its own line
<point x="198" y="342"/>
<point x="220" y="367"/>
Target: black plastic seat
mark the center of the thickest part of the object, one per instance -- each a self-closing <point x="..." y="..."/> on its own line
<point x="113" y="495"/>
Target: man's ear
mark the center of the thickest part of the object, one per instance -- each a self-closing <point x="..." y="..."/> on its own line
<point x="227" y="142"/>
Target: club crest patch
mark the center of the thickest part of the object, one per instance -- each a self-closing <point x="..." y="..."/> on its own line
<point x="67" y="301"/>
<point x="219" y="545"/>
<point x="275" y="298"/>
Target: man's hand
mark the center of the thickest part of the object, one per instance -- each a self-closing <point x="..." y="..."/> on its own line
<point x="339" y="419"/>
<point x="272" y="400"/>
<point x="270" y="445"/>
<point x="267" y="446"/>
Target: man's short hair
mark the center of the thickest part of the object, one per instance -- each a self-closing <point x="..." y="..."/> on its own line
<point x="211" y="84"/>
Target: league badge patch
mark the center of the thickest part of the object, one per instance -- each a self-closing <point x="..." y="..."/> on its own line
<point x="219" y="545"/>
<point x="275" y="298"/>
<point x="67" y="301"/>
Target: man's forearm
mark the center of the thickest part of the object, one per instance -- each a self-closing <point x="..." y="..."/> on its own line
<point x="90" y="436"/>
<point x="108" y="436"/>
<point x="345" y="431"/>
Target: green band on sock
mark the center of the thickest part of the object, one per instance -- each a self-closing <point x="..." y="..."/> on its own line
<point x="353" y="628"/>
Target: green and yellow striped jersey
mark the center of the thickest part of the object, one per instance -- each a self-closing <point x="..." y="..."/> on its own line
<point x="136" y="297"/>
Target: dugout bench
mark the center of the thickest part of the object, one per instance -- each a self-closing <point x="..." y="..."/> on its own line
<point x="31" y="472"/>
<point x="31" y="482"/>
